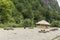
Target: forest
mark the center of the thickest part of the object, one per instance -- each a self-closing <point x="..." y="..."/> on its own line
<point x="20" y="13"/>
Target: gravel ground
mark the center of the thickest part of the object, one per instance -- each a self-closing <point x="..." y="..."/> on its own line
<point x="27" y="34"/>
<point x="57" y="38"/>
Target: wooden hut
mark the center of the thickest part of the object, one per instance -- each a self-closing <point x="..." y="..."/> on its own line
<point x="42" y="24"/>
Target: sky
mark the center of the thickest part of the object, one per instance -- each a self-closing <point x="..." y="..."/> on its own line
<point x="58" y="2"/>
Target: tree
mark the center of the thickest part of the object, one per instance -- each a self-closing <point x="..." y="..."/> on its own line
<point x="55" y="23"/>
<point x="28" y="22"/>
<point x="5" y="10"/>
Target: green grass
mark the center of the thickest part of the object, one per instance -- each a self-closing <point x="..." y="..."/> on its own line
<point x="10" y="25"/>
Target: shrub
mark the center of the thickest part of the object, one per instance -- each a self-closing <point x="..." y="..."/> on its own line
<point x="28" y="23"/>
<point x="55" y="24"/>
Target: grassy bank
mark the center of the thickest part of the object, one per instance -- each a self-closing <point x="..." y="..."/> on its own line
<point x="13" y="25"/>
<point x="9" y="25"/>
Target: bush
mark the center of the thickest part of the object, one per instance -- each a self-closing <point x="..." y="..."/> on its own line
<point x="10" y="25"/>
<point x="55" y="24"/>
<point x="14" y="25"/>
<point x="3" y="25"/>
<point x="28" y="23"/>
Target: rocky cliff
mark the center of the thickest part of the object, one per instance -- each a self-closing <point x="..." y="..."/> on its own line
<point x="50" y="4"/>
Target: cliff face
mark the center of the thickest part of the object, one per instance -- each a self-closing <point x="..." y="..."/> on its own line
<point x="50" y="4"/>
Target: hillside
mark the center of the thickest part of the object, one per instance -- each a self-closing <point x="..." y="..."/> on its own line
<point x="28" y="12"/>
<point x="53" y="4"/>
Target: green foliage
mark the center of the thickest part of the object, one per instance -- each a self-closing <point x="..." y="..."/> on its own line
<point x="55" y="23"/>
<point x="19" y="13"/>
<point x="5" y="8"/>
<point x="28" y="22"/>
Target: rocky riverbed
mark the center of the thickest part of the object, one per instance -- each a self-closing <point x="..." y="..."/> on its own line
<point x="27" y="34"/>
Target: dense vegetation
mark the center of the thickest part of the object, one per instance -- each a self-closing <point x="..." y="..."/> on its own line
<point x="19" y="13"/>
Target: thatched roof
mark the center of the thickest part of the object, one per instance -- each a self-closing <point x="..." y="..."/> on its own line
<point x="43" y="22"/>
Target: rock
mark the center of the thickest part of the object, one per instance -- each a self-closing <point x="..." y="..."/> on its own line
<point x="52" y="4"/>
<point x="8" y="28"/>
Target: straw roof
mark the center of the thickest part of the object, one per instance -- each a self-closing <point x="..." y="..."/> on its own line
<point x="43" y="22"/>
